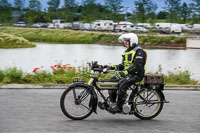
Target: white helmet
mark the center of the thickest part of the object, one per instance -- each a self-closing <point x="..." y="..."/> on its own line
<point x="132" y="37"/>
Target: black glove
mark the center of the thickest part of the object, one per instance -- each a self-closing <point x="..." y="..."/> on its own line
<point x="121" y="74"/>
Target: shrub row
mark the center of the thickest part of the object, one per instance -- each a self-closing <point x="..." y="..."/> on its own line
<point x="65" y="75"/>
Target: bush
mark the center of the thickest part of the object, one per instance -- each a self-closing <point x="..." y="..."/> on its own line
<point x="12" y="75"/>
<point x="180" y="78"/>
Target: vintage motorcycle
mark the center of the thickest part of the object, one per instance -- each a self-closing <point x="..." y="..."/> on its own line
<point x="144" y="100"/>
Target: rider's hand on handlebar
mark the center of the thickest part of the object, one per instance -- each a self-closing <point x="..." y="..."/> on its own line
<point x="105" y="70"/>
<point x="120" y="74"/>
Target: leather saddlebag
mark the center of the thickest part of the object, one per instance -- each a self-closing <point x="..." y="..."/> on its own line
<point x="151" y="79"/>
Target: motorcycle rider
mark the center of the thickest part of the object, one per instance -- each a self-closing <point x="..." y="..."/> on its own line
<point x="130" y="71"/>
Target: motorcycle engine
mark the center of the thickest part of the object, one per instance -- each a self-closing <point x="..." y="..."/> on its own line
<point x="126" y="108"/>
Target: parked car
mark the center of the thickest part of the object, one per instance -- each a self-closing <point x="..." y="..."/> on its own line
<point x="124" y="26"/>
<point x="36" y="26"/>
<point x="20" y="24"/>
<point x="140" y="29"/>
<point x="51" y="25"/>
<point x="40" y="25"/>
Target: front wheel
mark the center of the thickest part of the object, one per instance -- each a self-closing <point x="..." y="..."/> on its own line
<point x="75" y="103"/>
<point x="148" y="104"/>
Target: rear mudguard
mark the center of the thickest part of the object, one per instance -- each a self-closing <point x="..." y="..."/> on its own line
<point x="159" y="89"/>
<point x="161" y="94"/>
<point x="94" y="98"/>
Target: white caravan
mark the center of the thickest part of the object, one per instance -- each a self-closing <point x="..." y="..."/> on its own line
<point x="176" y="28"/>
<point x="145" y="25"/>
<point x="163" y="25"/>
<point x="78" y="25"/>
<point x="87" y="26"/>
<point x="103" y="25"/>
<point x="196" y="27"/>
<point x="186" y="27"/>
<point x="169" y="27"/>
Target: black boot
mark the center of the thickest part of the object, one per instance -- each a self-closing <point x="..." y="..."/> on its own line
<point x="118" y="107"/>
<point x="114" y="109"/>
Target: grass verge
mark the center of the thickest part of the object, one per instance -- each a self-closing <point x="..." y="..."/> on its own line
<point x="80" y="37"/>
<point x="12" y="41"/>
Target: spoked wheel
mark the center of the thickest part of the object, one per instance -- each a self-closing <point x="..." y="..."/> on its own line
<point x="75" y="103"/>
<point x="148" y="104"/>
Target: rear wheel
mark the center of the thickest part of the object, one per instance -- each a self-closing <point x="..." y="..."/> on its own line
<point x="75" y="103"/>
<point x="148" y="104"/>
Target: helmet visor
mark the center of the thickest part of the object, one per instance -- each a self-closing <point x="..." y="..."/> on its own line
<point x="122" y="40"/>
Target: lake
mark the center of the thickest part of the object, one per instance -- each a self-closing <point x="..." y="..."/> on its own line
<point x="46" y="55"/>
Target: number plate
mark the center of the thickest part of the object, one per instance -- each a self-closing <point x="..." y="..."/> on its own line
<point x="79" y="80"/>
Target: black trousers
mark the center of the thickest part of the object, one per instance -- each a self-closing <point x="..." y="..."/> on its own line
<point x="123" y="84"/>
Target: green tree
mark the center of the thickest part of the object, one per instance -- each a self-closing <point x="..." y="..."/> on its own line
<point x="70" y="3"/>
<point x="5" y="11"/>
<point x="19" y="4"/>
<point x="196" y="9"/>
<point x="144" y="9"/>
<point x="185" y="12"/>
<point x="88" y="2"/>
<point x="173" y="7"/>
<point x="35" y="5"/>
<point x="89" y="11"/>
<point x="115" y="6"/>
<point x="68" y="11"/>
<point x="53" y="5"/>
<point x="162" y="15"/>
<point x="4" y="3"/>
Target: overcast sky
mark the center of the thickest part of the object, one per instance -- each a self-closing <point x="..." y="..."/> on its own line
<point x="126" y="3"/>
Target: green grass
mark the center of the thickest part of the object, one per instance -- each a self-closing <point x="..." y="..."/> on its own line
<point x="12" y="41"/>
<point x="62" y="74"/>
<point x="73" y="37"/>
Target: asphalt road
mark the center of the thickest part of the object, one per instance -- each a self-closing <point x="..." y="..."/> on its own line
<point x="38" y="111"/>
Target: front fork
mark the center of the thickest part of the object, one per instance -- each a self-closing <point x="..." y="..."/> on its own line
<point x="90" y="81"/>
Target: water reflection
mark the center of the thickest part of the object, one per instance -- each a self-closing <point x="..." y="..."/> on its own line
<point x="76" y="54"/>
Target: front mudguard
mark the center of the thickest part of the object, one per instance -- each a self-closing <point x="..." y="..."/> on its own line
<point x="94" y="99"/>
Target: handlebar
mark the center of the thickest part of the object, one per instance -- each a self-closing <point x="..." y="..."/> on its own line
<point x="99" y="68"/>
